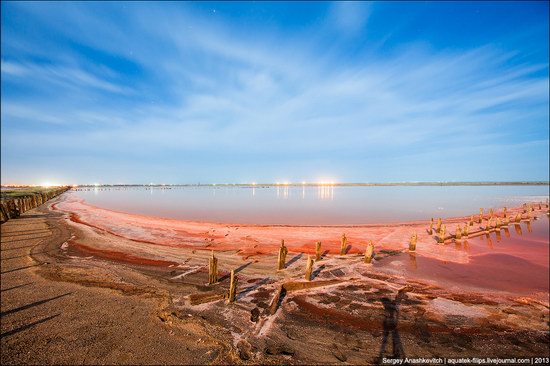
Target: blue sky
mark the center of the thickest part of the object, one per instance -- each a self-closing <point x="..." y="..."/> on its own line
<point x="242" y="92"/>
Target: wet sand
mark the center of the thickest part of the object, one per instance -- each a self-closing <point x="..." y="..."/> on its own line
<point x="476" y="297"/>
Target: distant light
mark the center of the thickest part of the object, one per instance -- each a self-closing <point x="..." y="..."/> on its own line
<point x="303" y="182"/>
<point x="253" y="183"/>
<point x="96" y="184"/>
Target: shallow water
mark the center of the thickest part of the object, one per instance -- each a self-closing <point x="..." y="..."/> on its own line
<point x="514" y="259"/>
<point x="323" y="205"/>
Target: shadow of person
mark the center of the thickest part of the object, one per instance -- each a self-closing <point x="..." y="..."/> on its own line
<point x="391" y="316"/>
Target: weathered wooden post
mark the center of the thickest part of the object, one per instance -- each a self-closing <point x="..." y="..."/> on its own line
<point x="518" y="217"/>
<point x="465" y="233"/>
<point x="438" y="228"/>
<point x="343" y="245"/>
<point x="232" y="288"/>
<point x="309" y="268"/>
<point x="480" y="215"/>
<point x="212" y="269"/>
<point x="430" y="232"/>
<point x="490" y="213"/>
<point x="318" y="251"/>
<point x="282" y="256"/>
<point x="505" y="222"/>
<point x="471" y="220"/>
<point x="458" y="233"/>
<point x="441" y="237"/>
<point x="540" y="206"/>
<point x="505" y="212"/>
<point x="369" y="252"/>
<point x="498" y="223"/>
<point x="546" y="204"/>
<point x="412" y="242"/>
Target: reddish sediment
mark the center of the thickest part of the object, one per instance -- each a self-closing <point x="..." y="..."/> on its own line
<point x="512" y="260"/>
<point x="264" y="239"/>
<point x="118" y="256"/>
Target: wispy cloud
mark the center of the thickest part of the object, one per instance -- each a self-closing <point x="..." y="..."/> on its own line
<point x="207" y="85"/>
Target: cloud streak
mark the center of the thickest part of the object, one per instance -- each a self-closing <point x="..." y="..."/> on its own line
<point x="210" y="94"/>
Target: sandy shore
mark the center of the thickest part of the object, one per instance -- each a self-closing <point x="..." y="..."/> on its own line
<point x="485" y="296"/>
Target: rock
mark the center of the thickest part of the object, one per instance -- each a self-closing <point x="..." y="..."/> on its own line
<point x="337" y="353"/>
<point x="245" y="350"/>
<point x="254" y="315"/>
<point x="273" y="348"/>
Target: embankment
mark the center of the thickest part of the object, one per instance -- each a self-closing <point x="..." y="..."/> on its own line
<point x="15" y="202"/>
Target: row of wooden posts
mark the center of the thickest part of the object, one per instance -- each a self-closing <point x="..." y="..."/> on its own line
<point x="12" y="207"/>
<point x="493" y="222"/>
<point x="281" y="262"/>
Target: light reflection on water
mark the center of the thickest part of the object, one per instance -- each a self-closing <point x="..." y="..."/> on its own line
<point x="310" y="205"/>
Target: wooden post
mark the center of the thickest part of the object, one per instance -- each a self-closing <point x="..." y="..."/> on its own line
<point x="438" y="228"/>
<point x="343" y="244"/>
<point x="412" y="242"/>
<point x="431" y="227"/>
<point x="505" y="222"/>
<point x="466" y="229"/>
<point x="318" y="251"/>
<point x="490" y="213"/>
<point x="369" y="252"/>
<point x="498" y="223"/>
<point x="212" y="269"/>
<point x="232" y="288"/>
<point x="441" y="238"/>
<point x="518" y="217"/>
<point x="505" y="213"/>
<point x="282" y="256"/>
<point x="458" y="233"/>
<point x="546" y="204"/>
<point x="540" y="206"/>
<point x="472" y="220"/>
<point x="309" y="268"/>
<point x="480" y="215"/>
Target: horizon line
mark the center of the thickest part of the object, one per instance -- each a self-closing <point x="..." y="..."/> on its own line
<point x="297" y="184"/>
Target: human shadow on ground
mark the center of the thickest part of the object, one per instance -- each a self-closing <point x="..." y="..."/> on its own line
<point x="391" y="317"/>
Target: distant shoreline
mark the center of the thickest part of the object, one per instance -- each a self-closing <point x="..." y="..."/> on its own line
<point x="330" y="184"/>
<point x="258" y="185"/>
